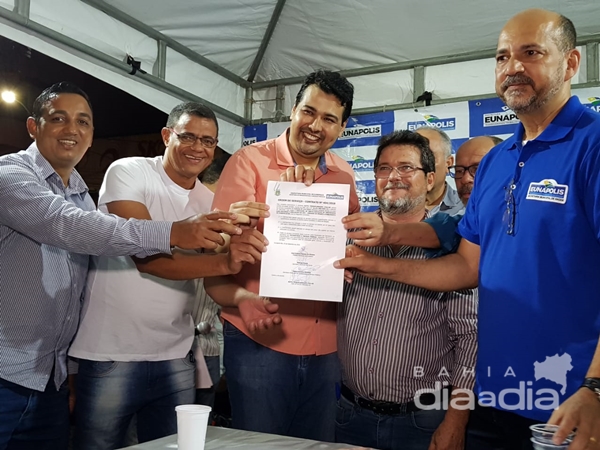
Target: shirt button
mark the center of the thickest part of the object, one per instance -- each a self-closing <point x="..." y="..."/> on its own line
<point x="513" y="186"/>
<point x="371" y="370"/>
<point x="387" y="287"/>
<point x="374" y="341"/>
<point x="521" y="164"/>
<point x="381" y="314"/>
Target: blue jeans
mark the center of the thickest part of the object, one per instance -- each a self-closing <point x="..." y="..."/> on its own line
<point x="273" y="392"/>
<point x="411" y="431"/>
<point x="109" y="393"/>
<point x="207" y="396"/>
<point x="33" y="420"/>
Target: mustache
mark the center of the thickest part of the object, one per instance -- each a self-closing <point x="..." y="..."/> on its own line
<point x="517" y="79"/>
<point x="396" y="185"/>
<point x="466" y="189"/>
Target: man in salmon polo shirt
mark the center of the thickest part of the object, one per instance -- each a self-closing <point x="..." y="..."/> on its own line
<point x="282" y="378"/>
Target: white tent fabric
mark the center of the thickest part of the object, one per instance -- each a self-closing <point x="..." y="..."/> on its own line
<point x="308" y="34"/>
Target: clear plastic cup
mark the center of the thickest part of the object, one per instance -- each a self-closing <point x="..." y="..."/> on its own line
<point x="543" y="434"/>
<point x="545" y="446"/>
<point x="192" y="421"/>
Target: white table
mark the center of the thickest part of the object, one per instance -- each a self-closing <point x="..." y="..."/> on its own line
<point x="226" y="438"/>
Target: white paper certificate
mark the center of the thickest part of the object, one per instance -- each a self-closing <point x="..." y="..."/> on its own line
<point x="306" y="236"/>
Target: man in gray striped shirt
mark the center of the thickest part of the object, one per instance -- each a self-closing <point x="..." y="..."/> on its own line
<point x="48" y="227"/>
<point x="396" y="341"/>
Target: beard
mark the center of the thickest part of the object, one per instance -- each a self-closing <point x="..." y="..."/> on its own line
<point x="536" y="100"/>
<point x="465" y="189"/>
<point x="400" y="205"/>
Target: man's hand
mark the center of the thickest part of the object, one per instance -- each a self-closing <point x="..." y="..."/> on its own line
<point x="300" y="174"/>
<point x="581" y="411"/>
<point x="203" y="230"/>
<point x="448" y="437"/>
<point x="246" y="248"/>
<point x="259" y="314"/>
<point x="362" y="262"/>
<point x="249" y="213"/>
<point x="371" y="230"/>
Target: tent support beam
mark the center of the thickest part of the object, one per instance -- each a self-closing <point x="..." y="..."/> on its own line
<point x="418" y="82"/>
<point x="442" y="101"/>
<point x="265" y="40"/>
<point x="39" y="30"/>
<point x="160" y="65"/>
<point x="593" y="68"/>
<point x="22" y="7"/>
<point x="407" y="65"/>
<point x="248" y="103"/>
<point x="172" y="43"/>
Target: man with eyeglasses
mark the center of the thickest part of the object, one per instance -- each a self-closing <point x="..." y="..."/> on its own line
<point x="531" y="241"/>
<point x="404" y="350"/>
<point x="134" y="343"/>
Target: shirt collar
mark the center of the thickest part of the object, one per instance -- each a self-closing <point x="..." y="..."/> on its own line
<point x="451" y="199"/>
<point x="45" y="170"/>
<point x="558" y="129"/>
<point x="285" y="159"/>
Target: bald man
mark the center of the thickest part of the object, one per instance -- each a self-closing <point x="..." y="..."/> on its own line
<point x="531" y="241"/>
<point x="468" y="157"/>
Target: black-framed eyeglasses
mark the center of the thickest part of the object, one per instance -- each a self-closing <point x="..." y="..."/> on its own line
<point x="458" y="172"/>
<point x="509" y="213"/>
<point x="384" y="171"/>
<point x="190" y="139"/>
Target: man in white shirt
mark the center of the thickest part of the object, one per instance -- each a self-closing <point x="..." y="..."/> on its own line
<point x="136" y="332"/>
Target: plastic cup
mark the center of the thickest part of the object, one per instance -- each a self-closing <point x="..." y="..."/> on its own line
<point x="192" y="421"/>
<point x="545" y="446"/>
<point x="542" y="436"/>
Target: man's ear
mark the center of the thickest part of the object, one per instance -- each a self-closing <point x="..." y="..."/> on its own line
<point x="430" y="181"/>
<point x="165" y="133"/>
<point x="573" y="61"/>
<point x="32" y="127"/>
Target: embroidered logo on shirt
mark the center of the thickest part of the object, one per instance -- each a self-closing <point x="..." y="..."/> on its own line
<point x="548" y="191"/>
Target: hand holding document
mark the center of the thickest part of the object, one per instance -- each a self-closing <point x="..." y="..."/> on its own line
<point x="306" y="236"/>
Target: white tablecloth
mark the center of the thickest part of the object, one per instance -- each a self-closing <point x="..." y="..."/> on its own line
<point x="226" y="438"/>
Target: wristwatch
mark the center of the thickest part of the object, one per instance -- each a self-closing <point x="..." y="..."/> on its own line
<point x="592" y="384"/>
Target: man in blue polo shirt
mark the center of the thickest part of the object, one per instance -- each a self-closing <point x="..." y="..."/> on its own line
<point x="531" y="242"/>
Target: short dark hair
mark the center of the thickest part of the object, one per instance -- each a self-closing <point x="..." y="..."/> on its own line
<point x="212" y="173"/>
<point x="495" y="140"/>
<point x="567" y="35"/>
<point x="405" y="137"/>
<point x="191" y="109"/>
<point x="62" y="87"/>
<point x="331" y="83"/>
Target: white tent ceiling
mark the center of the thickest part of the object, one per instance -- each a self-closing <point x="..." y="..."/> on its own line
<point x="340" y="35"/>
<point x="233" y="53"/>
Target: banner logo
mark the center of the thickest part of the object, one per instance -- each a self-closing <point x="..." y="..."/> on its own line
<point x="361" y="131"/>
<point x="359" y="164"/>
<point x="594" y="104"/>
<point x="431" y="121"/>
<point x="504" y="117"/>
<point x="248" y="141"/>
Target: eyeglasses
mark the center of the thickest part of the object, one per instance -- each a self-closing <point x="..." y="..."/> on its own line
<point x="190" y="139"/>
<point x="509" y="213"/>
<point x="458" y="172"/>
<point x="404" y="171"/>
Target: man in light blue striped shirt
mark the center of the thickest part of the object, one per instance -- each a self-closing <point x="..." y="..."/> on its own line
<point x="48" y="227"/>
